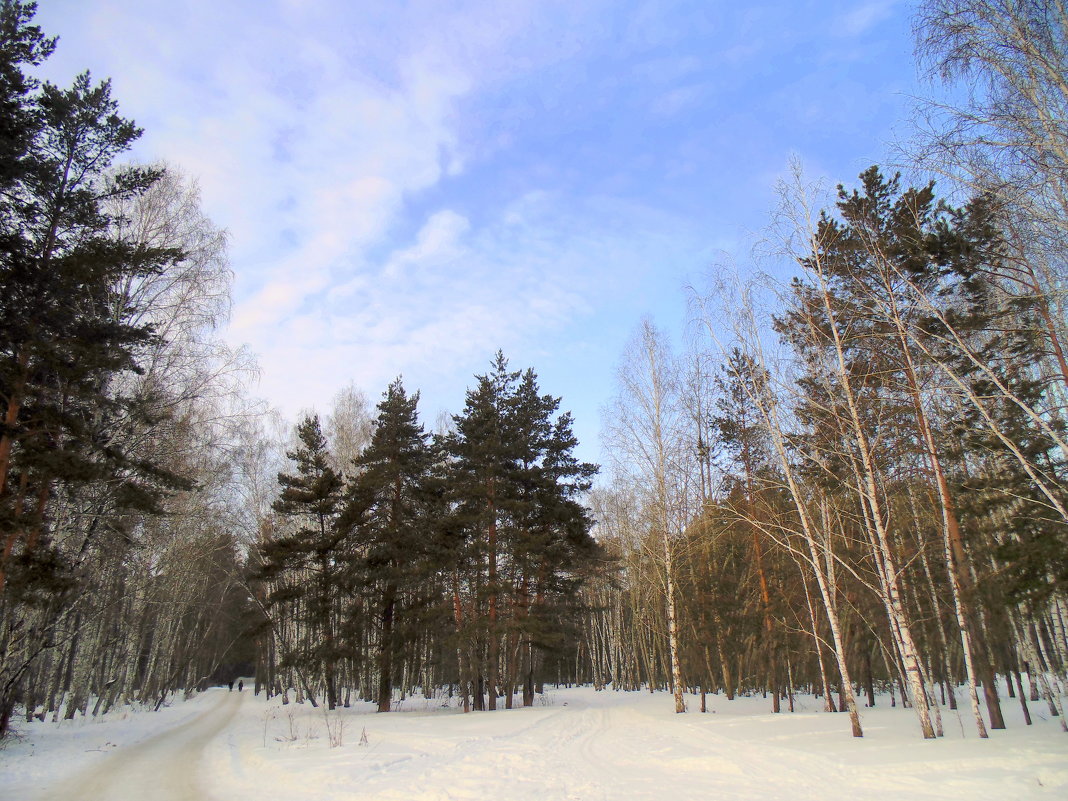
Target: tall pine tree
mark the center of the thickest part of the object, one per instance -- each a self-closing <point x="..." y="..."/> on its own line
<point x="515" y="484"/>
<point x="388" y="507"/>
<point x="308" y="564"/>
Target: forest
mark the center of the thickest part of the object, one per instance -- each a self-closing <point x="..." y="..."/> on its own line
<point x="848" y="482"/>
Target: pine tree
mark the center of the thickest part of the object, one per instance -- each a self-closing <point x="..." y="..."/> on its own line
<point x="515" y="486"/>
<point x="21" y="44"/>
<point x="738" y="429"/>
<point x="65" y="332"/>
<point x="388" y="508"/>
<point x="551" y="549"/>
<point x="875" y="271"/>
<point x="307" y="566"/>
<point x="483" y="454"/>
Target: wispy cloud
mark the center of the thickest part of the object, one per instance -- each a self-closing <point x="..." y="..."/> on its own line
<point x="409" y="186"/>
<point x="864" y="17"/>
<point x="438" y="307"/>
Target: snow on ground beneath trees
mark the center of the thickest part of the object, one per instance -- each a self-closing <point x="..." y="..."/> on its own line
<point x="573" y="744"/>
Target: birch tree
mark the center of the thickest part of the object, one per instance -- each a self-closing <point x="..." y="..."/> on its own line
<point x="646" y="436"/>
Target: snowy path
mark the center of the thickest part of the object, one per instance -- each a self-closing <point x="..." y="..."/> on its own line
<point x="575" y="745"/>
<point x="162" y="768"/>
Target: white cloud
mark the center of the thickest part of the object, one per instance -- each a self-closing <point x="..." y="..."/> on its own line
<point x="317" y="131"/>
<point x="439" y="307"/>
<point x="437" y="242"/>
<point x="865" y="16"/>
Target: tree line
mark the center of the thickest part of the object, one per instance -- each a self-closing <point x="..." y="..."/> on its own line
<point x="118" y="560"/>
<point x="855" y="480"/>
<point x="427" y="561"/>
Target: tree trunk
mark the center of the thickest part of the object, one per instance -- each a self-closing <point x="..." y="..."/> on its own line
<point x="385" y="653"/>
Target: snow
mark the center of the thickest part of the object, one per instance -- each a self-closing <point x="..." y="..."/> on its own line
<point x="573" y="744"/>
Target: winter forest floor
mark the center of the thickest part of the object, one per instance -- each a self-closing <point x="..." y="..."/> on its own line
<point x="573" y="744"/>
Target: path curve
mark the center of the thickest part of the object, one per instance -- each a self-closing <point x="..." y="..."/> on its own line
<point x="163" y="767"/>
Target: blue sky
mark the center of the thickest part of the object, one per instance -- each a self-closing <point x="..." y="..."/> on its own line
<point x="410" y="186"/>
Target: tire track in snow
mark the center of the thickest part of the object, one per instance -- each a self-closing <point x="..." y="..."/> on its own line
<point x="161" y="768"/>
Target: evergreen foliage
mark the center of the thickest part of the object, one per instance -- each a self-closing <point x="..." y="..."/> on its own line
<point x="311" y="556"/>
<point x="516" y="486"/>
<point x="390" y="506"/>
<point x="463" y="555"/>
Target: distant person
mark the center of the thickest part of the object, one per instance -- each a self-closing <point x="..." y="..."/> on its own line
<point x="231" y="685"/>
<point x="240" y="686"/>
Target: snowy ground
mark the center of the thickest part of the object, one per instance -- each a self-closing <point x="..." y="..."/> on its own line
<point x="574" y="744"/>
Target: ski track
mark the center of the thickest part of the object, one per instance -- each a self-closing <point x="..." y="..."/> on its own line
<point x="161" y="768"/>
